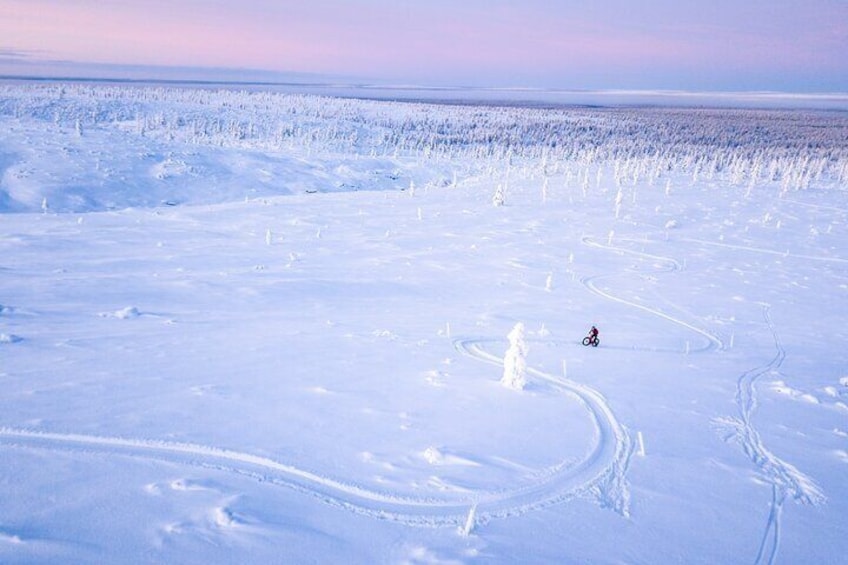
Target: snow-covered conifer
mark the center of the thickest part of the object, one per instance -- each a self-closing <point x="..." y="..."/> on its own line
<point x="499" y="199"/>
<point x="515" y="359"/>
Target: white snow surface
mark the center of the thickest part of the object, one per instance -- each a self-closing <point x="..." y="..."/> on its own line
<point x="263" y="328"/>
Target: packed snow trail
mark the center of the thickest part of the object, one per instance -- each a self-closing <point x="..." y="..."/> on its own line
<point x="605" y="469"/>
<point x="785" y="479"/>
<point x="601" y="472"/>
<point x="762" y="251"/>
<point x="669" y="265"/>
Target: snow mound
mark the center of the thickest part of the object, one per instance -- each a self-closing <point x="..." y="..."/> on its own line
<point x="433" y="456"/>
<point x="224" y="517"/>
<point x="10" y="338"/>
<point x="10" y="538"/>
<point x="127" y="313"/>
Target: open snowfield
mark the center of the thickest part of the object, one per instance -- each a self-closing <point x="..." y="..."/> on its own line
<point x="259" y="328"/>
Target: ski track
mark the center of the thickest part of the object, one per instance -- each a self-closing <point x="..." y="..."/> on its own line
<point x="600" y="474"/>
<point x="786" y="480"/>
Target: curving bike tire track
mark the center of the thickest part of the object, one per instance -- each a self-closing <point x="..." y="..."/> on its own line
<point x="600" y="473"/>
<point x="785" y="479"/>
<point x="671" y="265"/>
<point x="762" y="251"/>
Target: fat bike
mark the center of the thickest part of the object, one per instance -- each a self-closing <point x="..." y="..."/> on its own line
<point x="591" y="340"/>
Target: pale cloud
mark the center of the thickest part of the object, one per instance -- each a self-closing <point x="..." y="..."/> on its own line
<point x="11" y="54"/>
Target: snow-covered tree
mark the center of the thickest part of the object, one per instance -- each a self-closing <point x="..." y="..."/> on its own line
<point x="499" y="198"/>
<point x="515" y="359"/>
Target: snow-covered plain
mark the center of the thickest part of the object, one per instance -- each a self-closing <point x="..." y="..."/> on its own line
<point x="251" y="327"/>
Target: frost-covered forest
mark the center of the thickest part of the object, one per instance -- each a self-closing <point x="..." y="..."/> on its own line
<point x="789" y="150"/>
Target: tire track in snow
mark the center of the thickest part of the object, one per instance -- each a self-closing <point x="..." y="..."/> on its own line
<point x="786" y="480"/>
<point x="670" y="265"/>
<point x="600" y="474"/>
<point x="418" y="512"/>
<point x="765" y="251"/>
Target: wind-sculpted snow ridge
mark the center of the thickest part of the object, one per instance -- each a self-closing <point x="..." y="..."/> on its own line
<point x="601" y="473"/>
<point x="786" y="480"/>
<point x="662" y="265"/>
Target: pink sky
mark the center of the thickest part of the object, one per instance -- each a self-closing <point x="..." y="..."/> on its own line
<point x="722" y="45"/>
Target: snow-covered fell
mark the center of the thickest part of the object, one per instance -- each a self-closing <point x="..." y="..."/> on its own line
<point x="254" y="327"/>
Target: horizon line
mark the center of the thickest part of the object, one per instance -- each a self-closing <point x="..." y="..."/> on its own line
<point x="375" y="85"/>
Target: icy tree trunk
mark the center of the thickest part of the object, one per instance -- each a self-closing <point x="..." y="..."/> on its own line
<point x="515" y="363"/>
